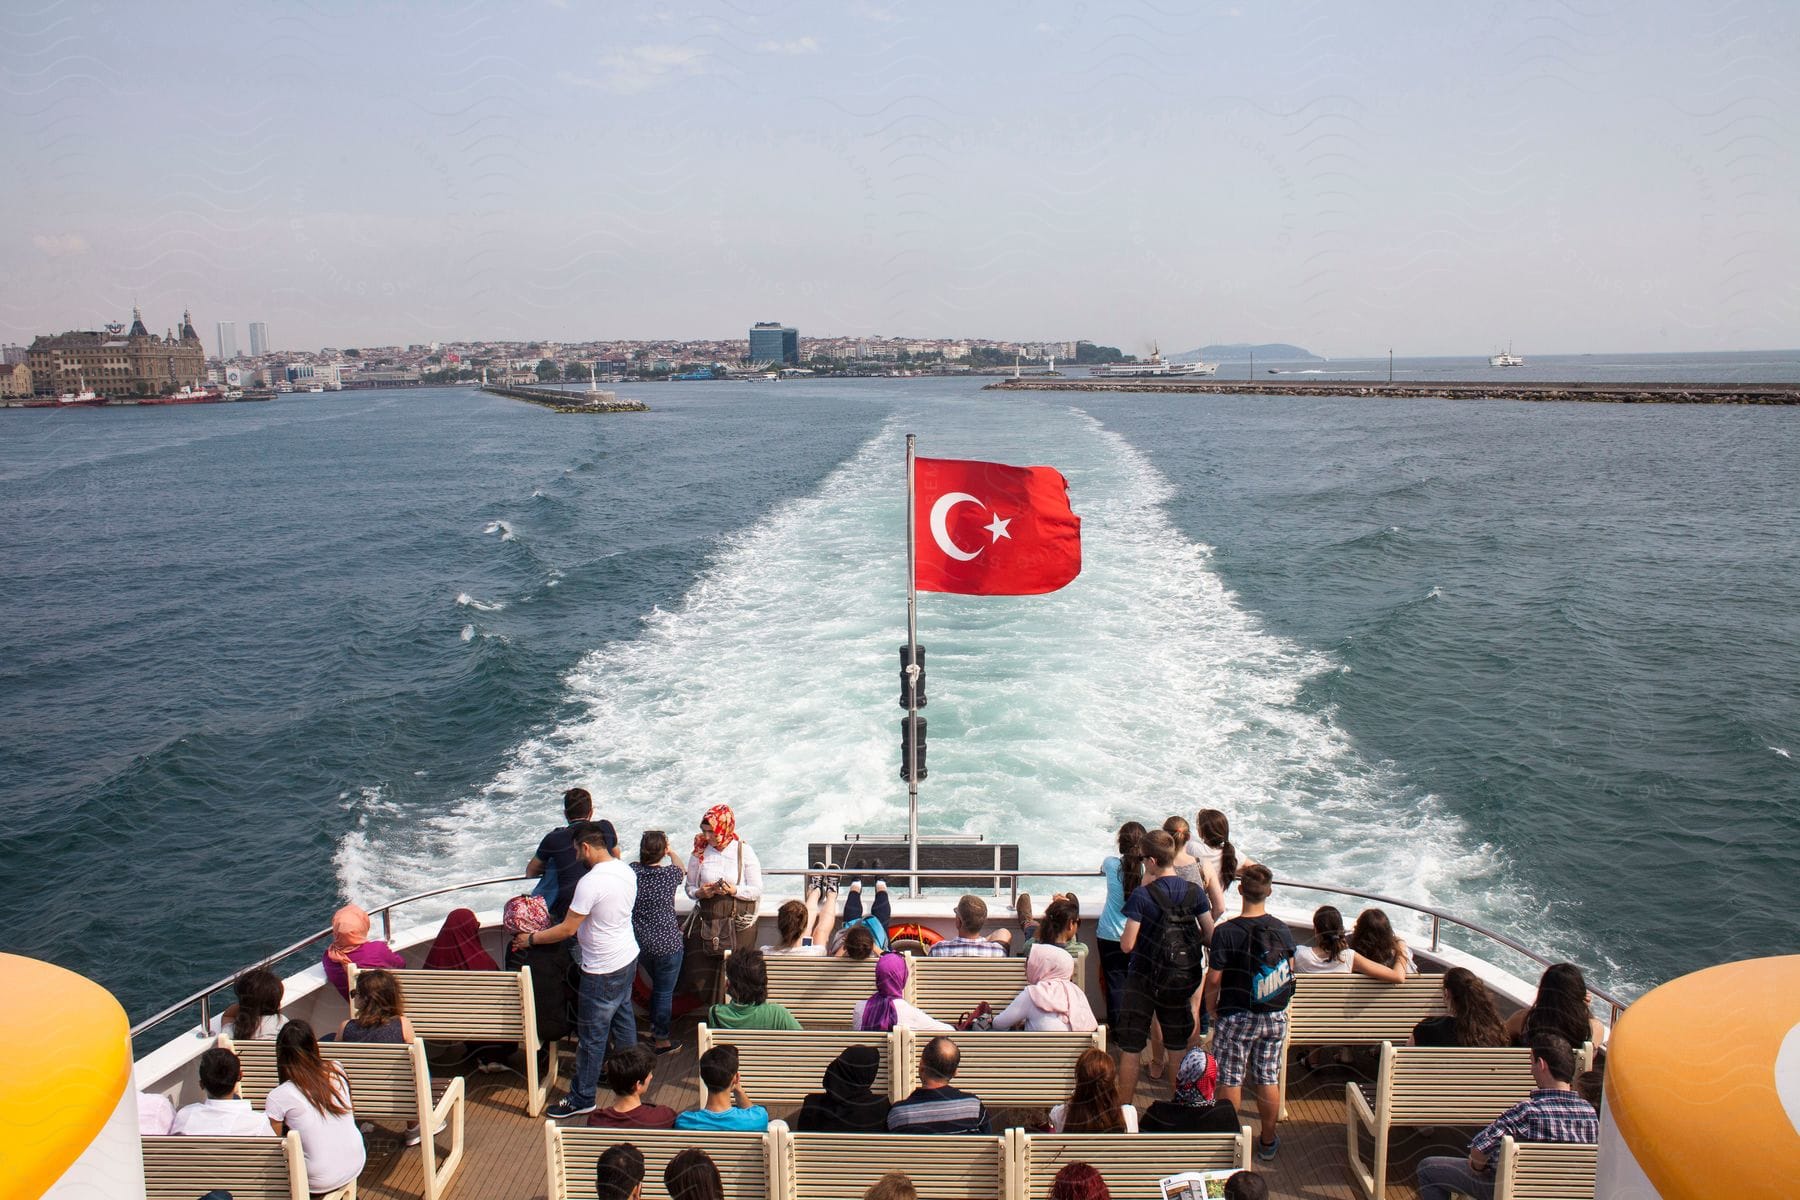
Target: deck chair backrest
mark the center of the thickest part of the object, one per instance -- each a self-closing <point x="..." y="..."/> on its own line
<point x="783" y="1066"/>
<point x="1131" y="1164"/>
<point x="743" y="1159"/>
<point x="464" y="1006"/>
<point x="842" y="1166"/>
<point x="1545" y="1171"/>
<point x="1009" y="1068"/>
<point x="250" y="1168"/>
<point x="1352" y="1010"/>
<point x="1443" y="1085"/>
<point x="948" y="987"/>
<point x="822" y="993"/>
<point x="385" y="1080"/>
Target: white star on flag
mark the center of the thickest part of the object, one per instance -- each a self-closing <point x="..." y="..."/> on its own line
<point x="998" y="528"/>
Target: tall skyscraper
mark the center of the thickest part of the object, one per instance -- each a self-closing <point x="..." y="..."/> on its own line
<point x="259" y="339"/>
<point x="773" y="342"/>
<point x="227" y="341"/>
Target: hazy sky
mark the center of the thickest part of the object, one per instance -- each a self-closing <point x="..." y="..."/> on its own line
<point x="1441" y="178"/>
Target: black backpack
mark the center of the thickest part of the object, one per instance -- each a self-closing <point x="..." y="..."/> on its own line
<point x="1178" y="952"/>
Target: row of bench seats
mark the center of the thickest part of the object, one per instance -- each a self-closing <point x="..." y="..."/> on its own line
<point x="250" y="1168"/>
<point x="781" y="1165"/>
<point x="1008" y="1068"/>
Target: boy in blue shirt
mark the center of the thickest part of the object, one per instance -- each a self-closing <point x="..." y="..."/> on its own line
<point x="727" y="1105"/>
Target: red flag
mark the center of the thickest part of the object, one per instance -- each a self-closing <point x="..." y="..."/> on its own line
<point x="986" y="529"/>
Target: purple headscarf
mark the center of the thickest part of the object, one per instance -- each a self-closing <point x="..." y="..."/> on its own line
<point x="890" y="981"/>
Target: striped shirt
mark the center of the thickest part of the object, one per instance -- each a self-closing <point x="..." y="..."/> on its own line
<point x="968" y="947"/>
<point x="939" y="1110"/>
<point x="1550" y="1115"/>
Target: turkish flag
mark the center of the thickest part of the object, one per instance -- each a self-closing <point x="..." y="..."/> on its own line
<point x="986" y="529"/>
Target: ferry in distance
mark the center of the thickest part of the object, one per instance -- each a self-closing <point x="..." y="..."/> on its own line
<point x="1505" y="358"/>
<point x="1157" y="367"/>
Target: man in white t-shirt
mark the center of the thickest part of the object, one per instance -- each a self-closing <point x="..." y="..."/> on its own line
<point x="600" y="921"/>
<point x="223" y="1113"/>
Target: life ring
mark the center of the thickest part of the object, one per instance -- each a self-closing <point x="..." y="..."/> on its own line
<point x="923" y="934"/>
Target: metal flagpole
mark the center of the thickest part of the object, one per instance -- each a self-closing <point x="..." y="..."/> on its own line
<point x="912" y="681"/>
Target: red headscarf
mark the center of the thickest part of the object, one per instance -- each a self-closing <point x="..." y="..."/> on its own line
<point x="724" y="824"/>
<point x="458" y="945"/>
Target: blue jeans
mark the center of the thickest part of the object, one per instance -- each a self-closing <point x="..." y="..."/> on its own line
<point x="605" y="1009"/>
<point x="1441" y="1177"/>
<point x="881" y="910"/>
<point x="664" y="970"/>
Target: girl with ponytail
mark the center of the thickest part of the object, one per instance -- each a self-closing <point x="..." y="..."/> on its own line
<point x="1124" y="873"/>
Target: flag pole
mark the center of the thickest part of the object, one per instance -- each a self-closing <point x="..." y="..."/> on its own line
<point x="912" y="679"/>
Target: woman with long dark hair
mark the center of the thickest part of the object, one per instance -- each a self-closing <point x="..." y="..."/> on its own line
<point x="692" y="1175"/>
<point x="1124" y="873"/>
<point x="1330" y="953"/>
<point x="1374" y="939"/>
<point x="313" y="1099"/>
<point x="380" y="1011"/>
<point x="1094" y="1105"/>
<point x="1561" y="1008"/>
<point x="1472" y="1020"/>
<point x="658" y="934"/>
<point x="1211" y="844"/>
<point x="256" y="1017"/>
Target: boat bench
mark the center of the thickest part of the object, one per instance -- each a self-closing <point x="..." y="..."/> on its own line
<point x="946" y="988"/>
<point x="784" y="1066"/>
<point x="250" y="1168"/>
<point x="1131" y="1164"/>
<point x="1356" y="1010"/>
<point x="746" y="1161"/>
<point x="389" y="1084"/>
<point x="1429" y="1086"/>
<point x="822" y="993"/>
<point x="477" y="1006"/>
<point x="1545" y="1171"/>
<point x="1007" y="1068"/>
<point x="842" y="1166"/>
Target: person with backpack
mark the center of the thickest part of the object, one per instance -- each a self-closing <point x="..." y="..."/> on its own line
<point x="1248" y="988"/>
<point x="1167" y="921"/>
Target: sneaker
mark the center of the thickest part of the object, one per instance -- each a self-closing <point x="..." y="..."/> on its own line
<point x="1265" y="1151"/>
<point x="566" y="1108"/>
<point x="413" y="1137"/>
<point x="1022" y="910"/>
<point x="492" y="1068"/>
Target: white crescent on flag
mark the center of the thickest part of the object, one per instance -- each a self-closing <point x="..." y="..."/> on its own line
<point x="940" y="531"/>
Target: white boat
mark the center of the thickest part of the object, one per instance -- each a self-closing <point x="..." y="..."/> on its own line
<point x="1505" y="358"/>
<point x="1156" y="367"/>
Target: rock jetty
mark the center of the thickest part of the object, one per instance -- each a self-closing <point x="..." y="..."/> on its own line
<point x="1466" y="389"/>
<point x="569" y="402"/>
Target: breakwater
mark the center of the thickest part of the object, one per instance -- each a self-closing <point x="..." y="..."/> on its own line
<point x="1462" y="389"/>
<point x="569" y="402"/>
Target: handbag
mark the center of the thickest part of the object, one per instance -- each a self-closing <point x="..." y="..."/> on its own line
<point x="714" y="924"/>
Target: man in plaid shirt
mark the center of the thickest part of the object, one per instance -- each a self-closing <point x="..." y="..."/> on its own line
<point x="1553" y="1113"/>
<point x="971" y="915"/>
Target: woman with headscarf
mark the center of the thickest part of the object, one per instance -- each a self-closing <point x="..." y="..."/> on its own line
<point x="886" y="1010"/>
<point x="555" y="977"/>
<point x="849" y="1103"/>
<point x="350" y="944"/>
<point x="458" y="945"/>
<point x="724" y="880"/>
<point x="1050" y="1000"/>
<point x="1193" y="1110"/>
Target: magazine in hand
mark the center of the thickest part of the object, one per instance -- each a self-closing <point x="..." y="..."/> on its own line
<point x="1195" y="1185"/>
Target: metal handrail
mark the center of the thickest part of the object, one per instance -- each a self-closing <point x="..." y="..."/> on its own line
<point x="204" y="996"/>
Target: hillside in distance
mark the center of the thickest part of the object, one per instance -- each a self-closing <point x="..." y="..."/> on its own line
<point x="1242" y="351"/>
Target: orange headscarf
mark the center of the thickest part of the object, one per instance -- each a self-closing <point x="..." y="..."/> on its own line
<point x="724" y="825"/>
<point x="351" y="925"/>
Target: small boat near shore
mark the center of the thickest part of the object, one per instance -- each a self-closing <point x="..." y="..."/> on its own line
<point x="1505" y="358"/>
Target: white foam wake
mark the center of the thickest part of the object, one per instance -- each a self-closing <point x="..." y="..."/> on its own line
<point x="464" y="600"/>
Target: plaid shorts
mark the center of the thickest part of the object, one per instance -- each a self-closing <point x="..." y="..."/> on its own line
<point x="1249" y="1041"/>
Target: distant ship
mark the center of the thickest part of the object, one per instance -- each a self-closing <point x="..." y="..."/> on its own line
<point x="1156" y="368"/>
<point x="85" y="398"/>
<point x="187" y="394"/>
<point x="1505" y="359"/>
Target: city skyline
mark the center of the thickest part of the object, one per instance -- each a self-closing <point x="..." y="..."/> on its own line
<point x="1445" y="181"/>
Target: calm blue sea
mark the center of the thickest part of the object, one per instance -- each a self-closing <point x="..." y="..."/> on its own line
<point x="1536" y="663"/>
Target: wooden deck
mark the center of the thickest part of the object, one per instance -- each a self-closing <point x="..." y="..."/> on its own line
<point x="505" y="1154"/>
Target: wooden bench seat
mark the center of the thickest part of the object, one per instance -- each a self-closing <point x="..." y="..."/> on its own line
<point x="842" y="1166"/>
<point x="783" y="1066"/>
<point x="946" y="988"/>
<point x="1006" y="1068"/>
<point x="390" y="1084"/>
<point x="1356" y="1010"/>
<point x="822" y="993"/>
<point x="1432" y="1086"/>
<point x="478" y="1006"/>
<point x="1131" y="1164"/>
<point x="746" y="1161"/>
<point x="250" y="1168"/>
<point x="1545" y="1171"/>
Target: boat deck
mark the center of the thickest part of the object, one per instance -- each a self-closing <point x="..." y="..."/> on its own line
<point x="504" y="1157"/>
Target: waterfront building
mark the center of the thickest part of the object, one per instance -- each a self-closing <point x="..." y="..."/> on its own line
<point x="15" y="381"/>
<point x="227" y="341"/>
<point x="118" y="362"/>
<point x="773" y="342"/>
<point x="10" y="354"/>
<point x="259" y="339"/>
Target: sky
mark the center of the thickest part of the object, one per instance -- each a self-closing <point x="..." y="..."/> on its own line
<point x="1437" y="178"/>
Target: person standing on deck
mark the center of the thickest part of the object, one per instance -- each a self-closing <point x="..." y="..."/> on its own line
<point x="600" y="920"/>
<point x="724" y="879"/>
<point x="1248" y="987"/>
<point x="556" y="861"/>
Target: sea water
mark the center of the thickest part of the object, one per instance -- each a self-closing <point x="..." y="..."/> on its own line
<point x="1532" y="663"/>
